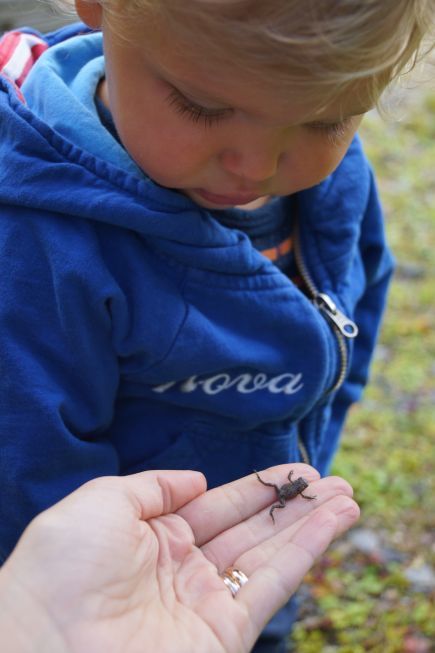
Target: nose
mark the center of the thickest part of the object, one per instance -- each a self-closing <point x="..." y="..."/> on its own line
<point x="255" y="161"/>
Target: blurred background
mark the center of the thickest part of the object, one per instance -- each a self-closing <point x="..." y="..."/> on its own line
<point x="375" y="589"/>
<point x="31" y="13"/>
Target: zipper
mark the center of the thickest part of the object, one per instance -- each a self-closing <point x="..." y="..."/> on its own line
<point x="342" y="326"/>
<point x="303" y="451"/>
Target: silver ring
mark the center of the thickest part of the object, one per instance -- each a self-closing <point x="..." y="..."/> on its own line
<point x="234" y="579"/>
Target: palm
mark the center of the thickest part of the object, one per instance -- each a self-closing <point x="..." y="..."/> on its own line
<point x="129" y="575"/>
<point x="178" y="601"/>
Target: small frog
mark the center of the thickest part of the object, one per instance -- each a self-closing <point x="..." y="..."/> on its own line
<point x="287" y="491"/>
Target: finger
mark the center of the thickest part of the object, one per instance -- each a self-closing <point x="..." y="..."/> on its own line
<point x="161" y="492"/>
<point x="272" y="583"/>
<point x="223" y="507"/>
<point x="230" y="544"/>
<point x="345" y="510"/>
<point x="270" y="587"/>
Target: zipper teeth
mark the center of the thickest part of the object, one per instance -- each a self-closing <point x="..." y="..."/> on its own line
<point x="303" y="451"/>
<point x="301" y="264"/>
<point x="314" y="291"/>
<point x="343" y="356"/>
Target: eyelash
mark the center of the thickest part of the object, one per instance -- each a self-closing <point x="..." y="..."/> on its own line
<point x="195" y="112"/>
<point x="209" y="117"/>
<point x="333" y="131"/>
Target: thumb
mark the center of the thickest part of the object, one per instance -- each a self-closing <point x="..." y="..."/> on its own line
<point x="160" y="492"/>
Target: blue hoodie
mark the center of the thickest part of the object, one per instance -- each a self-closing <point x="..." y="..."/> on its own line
<point x="137" y="332"/>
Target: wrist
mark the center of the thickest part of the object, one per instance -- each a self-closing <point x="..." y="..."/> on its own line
<point x="25" y="623"/>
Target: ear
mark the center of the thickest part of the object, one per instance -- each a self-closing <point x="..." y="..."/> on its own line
<point x="90" y="12"/>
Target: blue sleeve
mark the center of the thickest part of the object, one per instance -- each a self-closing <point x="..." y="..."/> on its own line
<point x="376" y="263"/>
<point x="59" y="371"/>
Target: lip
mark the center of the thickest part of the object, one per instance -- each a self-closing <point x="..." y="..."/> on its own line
<point x="226" y="200"/>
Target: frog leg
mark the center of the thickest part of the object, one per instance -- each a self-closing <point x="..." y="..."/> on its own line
<point x="265" y="483"/>
<point x="281" y="504"/>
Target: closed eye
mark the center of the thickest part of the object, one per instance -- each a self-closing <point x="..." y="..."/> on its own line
<point x="334" y="131"/>
<point x="196" y="112"/>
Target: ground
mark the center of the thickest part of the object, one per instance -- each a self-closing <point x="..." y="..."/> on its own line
<point x="375" y="589"/>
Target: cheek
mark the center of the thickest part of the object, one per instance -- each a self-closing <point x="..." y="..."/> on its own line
<point x="158" y="143"/>
<point x="327" y="159"/>
<point x="317" y="160"/>
<point x="163" y="144"/>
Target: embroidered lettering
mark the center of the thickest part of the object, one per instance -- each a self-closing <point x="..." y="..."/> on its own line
<point x="246" y="383"/>
<point x="287" y="383"/>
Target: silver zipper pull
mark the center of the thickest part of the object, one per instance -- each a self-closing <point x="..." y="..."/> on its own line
<point x="344" y="324"/>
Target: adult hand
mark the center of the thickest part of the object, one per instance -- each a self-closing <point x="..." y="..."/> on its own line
<point x="132" y="564"/>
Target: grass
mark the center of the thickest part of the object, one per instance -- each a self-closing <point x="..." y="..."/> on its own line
<point x="360" y="600"/>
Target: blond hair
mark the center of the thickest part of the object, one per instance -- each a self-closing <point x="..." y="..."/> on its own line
<point x="328" y="48"/>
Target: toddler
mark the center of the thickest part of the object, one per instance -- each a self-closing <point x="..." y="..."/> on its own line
<point x="193" y="262"/>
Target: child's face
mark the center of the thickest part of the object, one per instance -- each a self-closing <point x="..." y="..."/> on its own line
<point x="221" y="141"/>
